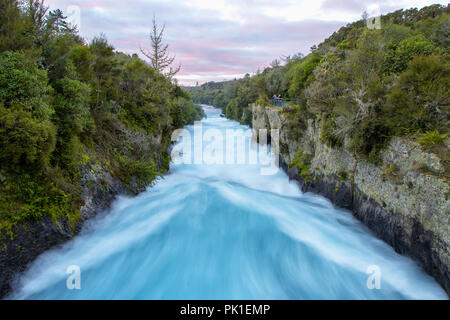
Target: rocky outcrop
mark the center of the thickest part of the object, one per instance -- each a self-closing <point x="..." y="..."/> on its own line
<point x="27" y="241"/>
<point x="403" y="199"/>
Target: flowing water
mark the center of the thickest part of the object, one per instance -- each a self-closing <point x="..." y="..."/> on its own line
<point x="226" y="232"/>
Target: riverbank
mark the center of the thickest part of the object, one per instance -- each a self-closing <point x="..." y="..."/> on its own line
<point x="26" y="241"/>
<point x="400" y="200"/>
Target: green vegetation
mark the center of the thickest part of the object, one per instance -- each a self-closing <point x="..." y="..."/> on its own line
<point x="211" y="93"/>
<point x="65" y="104"/>
<point x="343" y="175"/>
<point x="432" y="138"/>
<point x="302" y="162"/>
<point x="365" y="86"/>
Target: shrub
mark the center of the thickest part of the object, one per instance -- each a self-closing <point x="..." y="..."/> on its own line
<point x="419" y="99"/>
<point x="302" y="162"/>
<point x="302" y="73"/>
<point x="23" y="84"/>
<point x="25" y="196"/>
<point x="432" y="138"/>
<point x="326" y="135"/>
<point x="370" y="137"/>
<point x="25" y="139"/>
<point x="342" y="175"/>
<point x="145" y="172"/>
<point x="71" y="105"/>
<point x="398" y="56"/>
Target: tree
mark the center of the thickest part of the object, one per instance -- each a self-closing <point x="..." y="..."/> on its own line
<point x="37" y="12"/>
<point x="275" y="64"/>
<point x="14" y="27"/>
<point x="365" y="15"/>
<point x="419" y="97"/>
<point x="57" y="21"/>
<point x="159" y="54"/>
<point x="23" y="84"/>
<point x="102" y="65"/>
<point x="26" y="132"/>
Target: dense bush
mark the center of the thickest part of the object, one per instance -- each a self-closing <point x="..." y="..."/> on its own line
<point x="24" y="139"/>
<point x="419" y="99"/>
<point x="64" y="104"/>
<point x="22" y="83"/>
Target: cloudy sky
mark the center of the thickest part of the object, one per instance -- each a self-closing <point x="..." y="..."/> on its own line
<point x="218" y="39"/>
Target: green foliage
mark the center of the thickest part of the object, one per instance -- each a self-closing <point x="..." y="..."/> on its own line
<point x="343" y="175"/>
<point x="302" y="72"/>
<point x="56" y="57"/>
<point x="65" y="105"/>
<point x="364" y="86"/>
<point x="419" y="98"/>
<point x="16" y="28"/>
<point x="25" y="196"/>
<point x="369" y="138"/>
<point x="263" y="101"/>
<point x="273" y="81"/>
<point x="81" y="58"/>
<point x="364" y="106"/>
<point x="72" y="106"/>
<point x="327" y="135"/>
<point x="442" y="33"/>
<point x="23" y="84"/>
<point x="432" y="138"/>
<point x="184" y="111"/>
<point x="398" y="56"/>
<point x="145" y="172"/>
<point x="211" y="93"/>
<point x="241" y="94"/>
<point x="302" y="162"/>
<point x="24" y="139"/>
<point x="219" y="101"/>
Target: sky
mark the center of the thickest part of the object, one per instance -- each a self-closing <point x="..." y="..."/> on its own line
<point x="217" y="40"/>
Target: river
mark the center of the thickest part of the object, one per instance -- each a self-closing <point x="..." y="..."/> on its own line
<point x="225" y="231"/>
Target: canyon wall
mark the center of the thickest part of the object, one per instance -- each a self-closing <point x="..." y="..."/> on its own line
<point x="402" y="200"/>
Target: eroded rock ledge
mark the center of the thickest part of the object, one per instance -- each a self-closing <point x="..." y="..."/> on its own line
<point x="404" y="205"/>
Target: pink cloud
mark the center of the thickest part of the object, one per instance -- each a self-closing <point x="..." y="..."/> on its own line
<point x="206" y="44"/>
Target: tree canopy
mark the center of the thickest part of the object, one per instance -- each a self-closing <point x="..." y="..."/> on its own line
<point x="65" y="104"/>
<point x="365" y="85"/>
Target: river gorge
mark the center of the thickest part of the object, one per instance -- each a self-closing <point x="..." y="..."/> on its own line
<point x="225" y="231"/>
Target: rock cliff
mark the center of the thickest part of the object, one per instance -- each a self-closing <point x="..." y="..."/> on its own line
<point x="402" y="199"/>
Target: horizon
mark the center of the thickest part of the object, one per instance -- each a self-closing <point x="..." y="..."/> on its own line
<point x="228" y="39"/>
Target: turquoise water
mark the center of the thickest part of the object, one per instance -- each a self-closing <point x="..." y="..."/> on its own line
<point x="225" y="232"/>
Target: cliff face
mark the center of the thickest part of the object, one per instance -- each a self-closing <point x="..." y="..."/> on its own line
<point x="37" y="236"/>
<point x="401" y="199"/>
